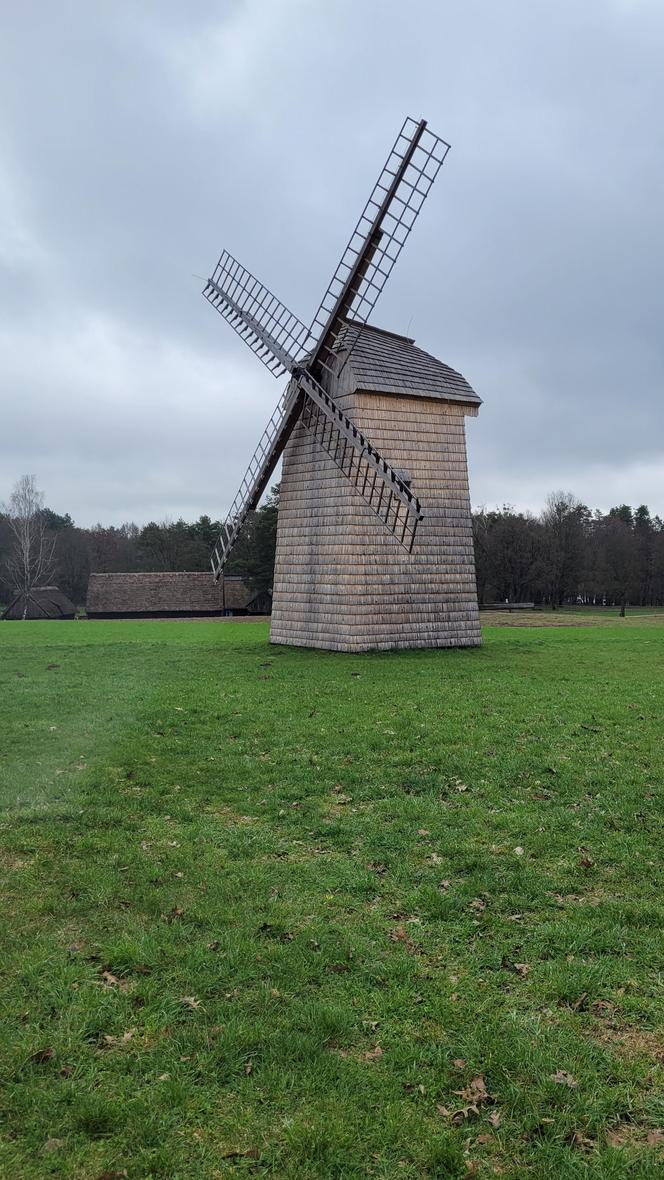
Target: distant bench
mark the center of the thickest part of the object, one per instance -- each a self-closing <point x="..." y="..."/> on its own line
<point x="507" y="606"/>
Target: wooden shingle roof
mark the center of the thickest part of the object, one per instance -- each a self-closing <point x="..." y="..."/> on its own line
<point x="43" y="602"/>
<point x="158" y="593"/>
<point x="166" y="593"/>
<point x="384" y="362"/>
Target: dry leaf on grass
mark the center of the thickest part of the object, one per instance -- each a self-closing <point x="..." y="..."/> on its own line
<point x="190" y="1002"/>
<point x="495" y="1118"/>
<point x="42" y="1056"/>
<point x="108" y="979"/>
<point x="108" y="1041"/>
<point x="373" y="1054"/>
<point x="474" y="1095"/>
<point x="400" y="934"/>
<point x="582" y="1142"/>
<point x="563" y="1078"/>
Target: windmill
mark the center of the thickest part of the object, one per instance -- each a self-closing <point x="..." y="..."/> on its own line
<point x="374" y="547"/>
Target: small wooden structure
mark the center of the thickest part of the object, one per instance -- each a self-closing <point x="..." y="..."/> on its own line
<point x="41" y="602"/>
<point x="170" y="595"/>
<point x="341" y="580"/>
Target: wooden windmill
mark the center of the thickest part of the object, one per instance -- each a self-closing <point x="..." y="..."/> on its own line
<point x="343" y="579"/>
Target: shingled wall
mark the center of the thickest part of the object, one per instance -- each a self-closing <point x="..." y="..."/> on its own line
<point x="342" y="581"/>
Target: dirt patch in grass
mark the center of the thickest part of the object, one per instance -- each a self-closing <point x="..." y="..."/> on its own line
<point x="632" y="1042"/>
<point x="549" y="618"/>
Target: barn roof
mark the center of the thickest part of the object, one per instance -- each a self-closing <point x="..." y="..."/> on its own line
<point x="387" y="363"/>
<point x="165" y="593"/>
<point x="43" y="602"/>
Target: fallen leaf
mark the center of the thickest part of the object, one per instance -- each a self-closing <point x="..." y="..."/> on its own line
<point x="423" y="832"/>
<point x="401" y="935"/>
<point x="443" y="884"/>
<point x="42" y="1056"/>
<point x="495" y="1118"/>
<point x="655" y="1137"/>
<point x="173" y="915"/>
<point x="214" y="946"/>
<point x="108" y="1041"/>
<point x="585" y="862"/>
<point x="582" y="1142"/>
<point x="163" y="1077"/>
<point x="190" y="1002"/>
<point x="459" y="1063"/>
<point x="477" y="905"/>
<point x="521" y="969"/>
<point x="475" y="1091"/>
<point x="111" y="980"/>
<point x="564" y="1078"/>
<point x="373" y="1054"/>
<point x="248" y="1067"/>
<point x="518" y="851"/>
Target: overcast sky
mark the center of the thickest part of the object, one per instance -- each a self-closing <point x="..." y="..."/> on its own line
<point x="139" y="138"/>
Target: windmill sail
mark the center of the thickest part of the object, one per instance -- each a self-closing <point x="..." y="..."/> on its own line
<point x="285" y="344"/>
<point x="263" y="462"/>
<point x="377" y="482"/>
<point x="372" y="476"/>
<point x="277" y="336"/>
<point x="379" y="236"/>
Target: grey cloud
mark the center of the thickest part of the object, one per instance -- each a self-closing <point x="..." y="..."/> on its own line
<point x="138" y="140"/>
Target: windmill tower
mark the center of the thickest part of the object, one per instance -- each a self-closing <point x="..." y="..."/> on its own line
<point x="374" y="539"/>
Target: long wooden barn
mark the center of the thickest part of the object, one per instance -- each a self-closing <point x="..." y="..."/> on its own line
<point x="171" y="595"/>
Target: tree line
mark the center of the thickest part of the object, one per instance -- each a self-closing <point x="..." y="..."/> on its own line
<point x="566" y="554"/>
<point x="570" y="554"/>
<point x="40" y="546"/>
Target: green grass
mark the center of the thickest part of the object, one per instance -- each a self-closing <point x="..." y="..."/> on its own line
<point x="375" y="878"/>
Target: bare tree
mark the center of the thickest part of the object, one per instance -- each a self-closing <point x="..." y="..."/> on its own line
<point x="31" y="557"/>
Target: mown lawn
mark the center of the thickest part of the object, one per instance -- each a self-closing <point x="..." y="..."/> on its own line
<point x="272" y="912"/>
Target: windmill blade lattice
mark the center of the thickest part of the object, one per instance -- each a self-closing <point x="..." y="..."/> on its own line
<point x="376" y="481"/>
<point x="379" y="236"/>
<point x="263" y="462"/>
<point x="277" y="336"/>
<point x="285" y="344"/>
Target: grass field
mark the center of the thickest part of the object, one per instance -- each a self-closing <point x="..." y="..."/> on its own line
<point x="272" y="912"/>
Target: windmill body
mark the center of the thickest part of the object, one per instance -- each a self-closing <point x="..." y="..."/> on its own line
<point x="343" y="582"/>
<point x="374" y="539"/>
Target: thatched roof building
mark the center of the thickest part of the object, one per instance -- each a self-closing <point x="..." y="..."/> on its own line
<point x="168" y="595"/>
<point x="42" y="602"/>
